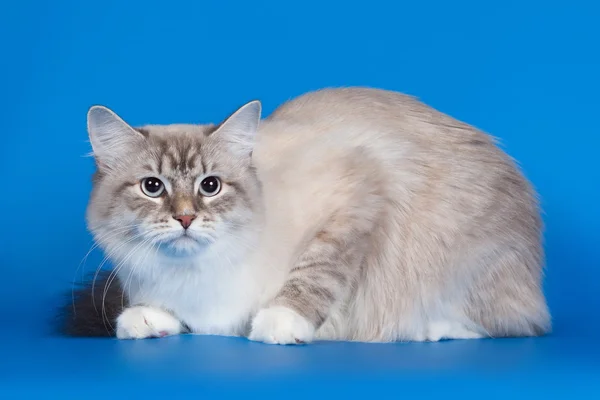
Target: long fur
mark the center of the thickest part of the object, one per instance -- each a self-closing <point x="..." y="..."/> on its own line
<point x="88" y="311"/>
<point x="352" y="214"/>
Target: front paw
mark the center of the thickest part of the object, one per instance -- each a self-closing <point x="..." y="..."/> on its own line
<point x="281" y="325"/>
<point x="144" y="322"/>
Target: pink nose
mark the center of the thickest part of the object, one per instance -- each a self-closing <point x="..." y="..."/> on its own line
<point x="185" y="220"/>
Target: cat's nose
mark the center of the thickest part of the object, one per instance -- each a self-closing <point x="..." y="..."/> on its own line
<point x="185" y="220"/>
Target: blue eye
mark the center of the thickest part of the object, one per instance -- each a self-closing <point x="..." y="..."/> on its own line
<point x="210" y="186"/>
<point x="152" y="187"/>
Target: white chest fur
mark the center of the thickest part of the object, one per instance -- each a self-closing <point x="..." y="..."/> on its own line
<point x="208" y="294"/>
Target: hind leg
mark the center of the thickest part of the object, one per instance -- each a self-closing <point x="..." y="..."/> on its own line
<point x="506" y="299"/>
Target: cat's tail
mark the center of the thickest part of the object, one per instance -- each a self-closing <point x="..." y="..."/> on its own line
<point x="92" y="308"/>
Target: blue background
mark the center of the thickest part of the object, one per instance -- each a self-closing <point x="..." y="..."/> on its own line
<point x="527" y="72"/>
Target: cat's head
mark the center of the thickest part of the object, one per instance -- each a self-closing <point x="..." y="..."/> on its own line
<point x="175" y="190"/>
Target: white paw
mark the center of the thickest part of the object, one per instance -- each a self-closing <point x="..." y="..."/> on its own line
<point x="439" y="330"/>
<point x="281" y="325"/>
<point x="143" y="322"/>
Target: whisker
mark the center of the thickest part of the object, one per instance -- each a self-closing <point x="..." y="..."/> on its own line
<point x="103" y="236"/>
<point x="113" y="275"/>
<point x="132" y="272"/>
<point x="106" y="258"/>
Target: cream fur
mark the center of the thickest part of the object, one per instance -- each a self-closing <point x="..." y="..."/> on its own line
<point x="450" y="244"/>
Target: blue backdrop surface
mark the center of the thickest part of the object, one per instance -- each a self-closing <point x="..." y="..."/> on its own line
<point x="526" y="71"/>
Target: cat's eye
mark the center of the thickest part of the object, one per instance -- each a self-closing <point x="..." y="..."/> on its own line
<point x="152" y="187"/>
<point x="210" y="186"/>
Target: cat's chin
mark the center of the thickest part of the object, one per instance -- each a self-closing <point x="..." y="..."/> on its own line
<point x="184" y="246"/>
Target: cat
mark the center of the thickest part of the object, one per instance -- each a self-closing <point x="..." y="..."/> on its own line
<point x="352" y="214"/>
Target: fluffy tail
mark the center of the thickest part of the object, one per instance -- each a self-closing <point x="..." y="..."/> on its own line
<point x="90" y="313"/>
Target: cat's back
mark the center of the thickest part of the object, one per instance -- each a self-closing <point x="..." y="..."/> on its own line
<point x="329" y="114"/>
<point x="322" y="149"/>
<point x="393" y="131"/>
<point x="381" y="120"/>
<point x="321" y="106"/>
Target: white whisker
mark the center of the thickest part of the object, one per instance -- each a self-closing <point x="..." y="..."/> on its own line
<point x="106" y="258"/>
<point x="113" y="275"/>
<point x="96" y="242"/>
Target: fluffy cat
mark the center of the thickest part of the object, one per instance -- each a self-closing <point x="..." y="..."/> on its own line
<point x="348" y="214"/>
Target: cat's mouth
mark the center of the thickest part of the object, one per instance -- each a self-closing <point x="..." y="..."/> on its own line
<point x="187" y="238"/>
<point x="185" y="243"/>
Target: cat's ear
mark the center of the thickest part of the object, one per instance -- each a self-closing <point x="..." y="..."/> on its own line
<point x="112" y="138"/>
<point x="240" y="128"/>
